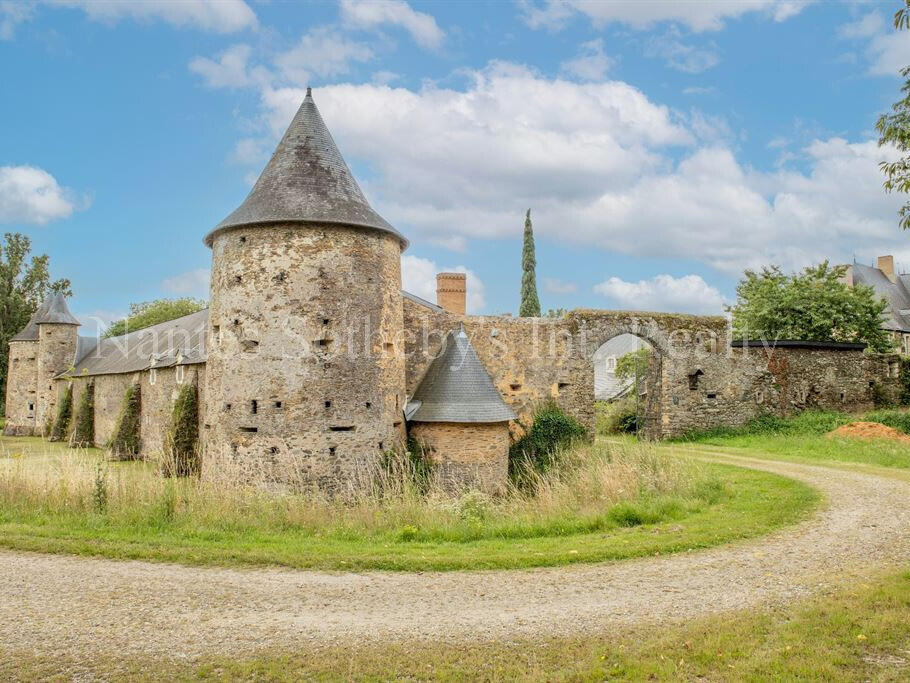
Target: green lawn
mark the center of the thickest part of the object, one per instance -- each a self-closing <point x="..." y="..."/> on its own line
<point x="857" y="632"/>
<point x="736" y="504"/>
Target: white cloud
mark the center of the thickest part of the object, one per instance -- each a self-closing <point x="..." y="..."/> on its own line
<point x="321" y="52"/>
<point x="591" y="64"/>
<point x="887" y="50"/>
<point x="220" y="16"/>
<point x="687" y="294"/>
<point x="32" y="195"/>
<point x="638" y="14"/>
<point x="418" y="276"/>
<point x="193" y="283"/>
<point x="698" y="90"/>
<point x="375" y="13"/>
<point x="556" y="286"/>
<point x="12" y="14"/>
<point x="230" y="69"/>
<point x="681" y="56"/>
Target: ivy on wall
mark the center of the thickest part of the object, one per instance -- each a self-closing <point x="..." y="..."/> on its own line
<point x="64" y="415"/>
<point x="84" y="433"/>
<point x="181" y="446"/>
<point x="125" y="444"/>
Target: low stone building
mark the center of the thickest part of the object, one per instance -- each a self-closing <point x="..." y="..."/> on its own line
<point x="459" y="418"/>
<point x="310" y="352"/>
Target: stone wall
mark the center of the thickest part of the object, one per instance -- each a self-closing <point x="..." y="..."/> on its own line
<point x="109" y="394"/>
<point x="467" y="456"/>
<point x="21" y="390"/>
<point x="56" y="351"/>
<point x="305" y="370"/>
<point x="158" y="402"/>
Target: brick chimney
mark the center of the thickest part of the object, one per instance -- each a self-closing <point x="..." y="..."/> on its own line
<point x="451" y="292"/>
<point x="886" y="265"/>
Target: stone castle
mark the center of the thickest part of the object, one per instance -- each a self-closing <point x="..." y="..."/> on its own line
<point x="311" y="362"/>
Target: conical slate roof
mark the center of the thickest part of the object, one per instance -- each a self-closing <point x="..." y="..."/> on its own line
<point x="52" y="310"/>
<point x="457" y="388"/>
<point x="306" y="181"/>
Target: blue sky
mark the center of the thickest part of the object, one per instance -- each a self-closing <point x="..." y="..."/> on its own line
<point x="662" y="147"/>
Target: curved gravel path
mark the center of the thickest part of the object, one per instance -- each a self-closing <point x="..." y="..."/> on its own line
<point x="77" y="607"/>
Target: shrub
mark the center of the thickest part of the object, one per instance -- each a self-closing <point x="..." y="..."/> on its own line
<point x="99" y="489"/>
<point x="551" y="431"/>
<point x="617" y="417"/>
<point x="125" y="443"/>
<point x="84" y="433"/>
<point x="904" y="396"/>
<point x="181" y="444"/>
<point x="64" y="415"/>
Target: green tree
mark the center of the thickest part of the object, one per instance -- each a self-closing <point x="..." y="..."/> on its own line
<point x="530" y="304"/>
<point x="814" y="305"/>
<point x="633" y="366"/>
<point x="24" y="282"/>
<point x="894" y="129"/>
<point x="150" y="313"/>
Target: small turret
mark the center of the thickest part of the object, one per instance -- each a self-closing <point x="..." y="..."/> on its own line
<point x="58" y="338"/>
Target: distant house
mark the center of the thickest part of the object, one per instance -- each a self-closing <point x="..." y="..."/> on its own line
<point x="607" y="387"/>
<point x="894" y="288"/>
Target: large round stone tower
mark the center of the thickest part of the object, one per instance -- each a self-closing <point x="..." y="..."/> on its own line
<point x="305" y="371"/>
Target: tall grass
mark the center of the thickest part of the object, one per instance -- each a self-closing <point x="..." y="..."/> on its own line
<point x="591" y="487"/>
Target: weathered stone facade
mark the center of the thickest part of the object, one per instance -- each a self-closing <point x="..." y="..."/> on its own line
<point x="305" y="372"/>
<point x="22" y="389"/>
<point x="56" y="351"/>
<point x="466" y="456"/>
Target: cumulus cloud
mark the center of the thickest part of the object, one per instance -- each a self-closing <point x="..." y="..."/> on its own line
<point x="321" y="52"/>
<point x="556" y="286"/>
<point x="418" y="276"/>
<point x="887" y="50"/>
<point x="230" y="69"/>
<point x="686" y="294"/>
<point x="698" y="16"/>
<point x="32" y="195"/>
<point x="193" y="283"/>
<point x="374" y="13"/>
<point x="591" y="64"/>
<point x="220" y="16"/>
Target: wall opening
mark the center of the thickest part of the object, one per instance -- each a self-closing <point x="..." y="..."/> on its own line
<point x="627" y="376"/>
<point x="343" y="428"/>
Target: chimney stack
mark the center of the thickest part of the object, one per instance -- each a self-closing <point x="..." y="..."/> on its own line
<point x="886" y="265"/>
<point x="451" y="292"/>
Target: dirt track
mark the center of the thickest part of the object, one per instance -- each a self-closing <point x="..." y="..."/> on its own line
<point x="81" y="607"/>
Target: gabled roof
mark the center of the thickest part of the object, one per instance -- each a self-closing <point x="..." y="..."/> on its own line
<point x="457" y="388"/>
<point x="896" y="294"/>
<point x="52" y="310"/>
<point x="175" y="342"/>
<point x="306" y="181"/>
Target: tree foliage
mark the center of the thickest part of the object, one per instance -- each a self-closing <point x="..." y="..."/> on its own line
<point x="530" y="303"/>
<point x="814" y="305"/>
<point x="894" y="129"/>
<point x="24" y="282"/>
<point x="633" y="365"/>
<point x="150" y="313"/>
<point x="551" y="431"/>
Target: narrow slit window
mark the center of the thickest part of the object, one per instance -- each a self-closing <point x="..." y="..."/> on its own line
<point x="254" y="406"/>
<point x="343" y="428"/>
<point x="249" y="430"/>
<point x="328" y="404"/>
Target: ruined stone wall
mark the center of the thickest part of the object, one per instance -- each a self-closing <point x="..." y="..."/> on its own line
<point x="467" y="456"/>
<point x="305" y="371"/>
<point x="21" y="389"/>
<point x="56" y="352"/>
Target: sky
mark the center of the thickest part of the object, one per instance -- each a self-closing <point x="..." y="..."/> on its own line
<point x="663" y="147"/>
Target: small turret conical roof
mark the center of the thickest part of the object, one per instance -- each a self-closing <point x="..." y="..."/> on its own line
<point x="306" y="181"/>
<point x="458" y="388"/>
<point x="52" y="310"/>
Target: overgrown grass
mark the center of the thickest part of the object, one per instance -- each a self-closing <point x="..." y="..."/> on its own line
<point x="601" y="502"/>
<point x="857" y="632"/>
<point x="804" y="436"/>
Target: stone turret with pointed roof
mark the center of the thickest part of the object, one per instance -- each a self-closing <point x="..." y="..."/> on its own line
<point x="306" y="181"/>
<point x="52" y="310"/>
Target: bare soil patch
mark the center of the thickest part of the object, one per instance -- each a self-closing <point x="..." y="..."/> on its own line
<point x="870" y="431"/>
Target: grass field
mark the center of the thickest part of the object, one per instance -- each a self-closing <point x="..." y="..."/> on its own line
<point x="847" y="633"/>
<point x="804" y="437"/>
<point x="621" y="501"/>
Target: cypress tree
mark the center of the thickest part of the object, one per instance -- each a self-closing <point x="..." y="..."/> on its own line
<point x="530" y="304"/>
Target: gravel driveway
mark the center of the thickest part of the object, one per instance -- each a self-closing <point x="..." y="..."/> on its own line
<point x="79" y="607"/>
